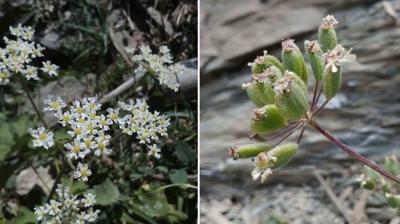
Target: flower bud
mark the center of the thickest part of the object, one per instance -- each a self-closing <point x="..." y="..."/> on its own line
<point x="327" y="34"/>
<point x="248" y="150"/>
<point x="290" y="98"/>
<point x="332" y="82"/>
<point x="393" y="200"/>
<point x="293" y="60"/>
<point x="263" y="62"/>
<point x="314" y="54"/>
<point x="267" y="119"/>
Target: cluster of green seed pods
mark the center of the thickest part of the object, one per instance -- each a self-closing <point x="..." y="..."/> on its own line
<point x="371" y="180"/>
<point x="279" y="90"/>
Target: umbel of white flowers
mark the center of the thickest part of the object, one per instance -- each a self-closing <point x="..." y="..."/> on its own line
<point x="89" y="129"/>
<point x="18" y="54"/>
<point x="161" y="65"/>
<point x="68" y="208"/>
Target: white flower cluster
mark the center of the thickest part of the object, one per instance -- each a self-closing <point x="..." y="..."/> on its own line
<point x="16" y="57"/>
<point x="161" y="65"/>
<point x="88" y="128"/>
<point x="68" y="208"/>
<point x="148" y="126"/>
<point x="42" y="138"/>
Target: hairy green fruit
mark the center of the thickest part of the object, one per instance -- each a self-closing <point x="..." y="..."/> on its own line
<point x="248" y="150"/>
<point x="290" y="98"/>
<point x="283" y="154"/>
<point x="314" y="54"/>
<point x="393" y="200"/>
<point x="263" y="62"/>
<point x="293" y="60"/>
<point x="297" y="80"/>
<point x="261" y="93"/>
<point x="327" y="34"/>
<point x="267" y="119"/>
<point x="332" y="82"/>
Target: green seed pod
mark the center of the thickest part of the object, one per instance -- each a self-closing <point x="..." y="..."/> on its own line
<point x="248" y="150"/>
<point x="393" y="200"/>
<point x="267" y="119"/>
<point x="392" y="165"/>
<point x="297" y="80"/>
<point x="282" y="154"/>
<point x="263" y="62"/>
<point x="327" y="34"/>
<point x="314" y="54"/>
<point x="370" y="180"/>
<point x="332" y="81"/>
<point x="368" y="184"/>
<point x="261" y="93"/>
<point x="293" y="60"/>
<point x="290" y="98"/>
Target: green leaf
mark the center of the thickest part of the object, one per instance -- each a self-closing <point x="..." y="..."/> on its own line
<point x="185" y="153"/>
<point x="178" y="176"/>
<point x="6" y="137"/>
<point x="76" y="187"/>
<point x="24" y="216"/>
<point x="21" y="125"/>
<point x="156" y="205"/>
<point x="106" y="193"/>
<point x="4" y="150"/>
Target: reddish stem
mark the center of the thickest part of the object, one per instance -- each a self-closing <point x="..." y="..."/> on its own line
<point x="353" y="153"/>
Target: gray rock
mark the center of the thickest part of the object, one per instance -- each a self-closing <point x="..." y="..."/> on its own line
<point x="68" y="88"/>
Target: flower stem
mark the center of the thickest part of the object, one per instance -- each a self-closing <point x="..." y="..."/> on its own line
<point x="353" y="153"/>
<point x="58" y="178"/>
<point x="34" y="105"/>
<point x="47" y="189"/>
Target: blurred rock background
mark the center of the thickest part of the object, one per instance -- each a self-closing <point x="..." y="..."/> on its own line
<point x="365" y="115"/>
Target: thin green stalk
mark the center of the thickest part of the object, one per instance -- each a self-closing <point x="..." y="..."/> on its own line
<point x="34" y="105"/>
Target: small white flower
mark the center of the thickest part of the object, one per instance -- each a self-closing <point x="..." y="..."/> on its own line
<point x="89" y="200"/>
<point x="90" y="104"/>
<point x="101" y="146"/>
<point x="30" y="73"/>
<point x="113" y="114"/>
<point x="54" y="104"/>
<point x="49" y="68"/>
<point x="154" y="150"/>
<point x="42" y="137"/>
<point x="4" y="76"/>
<point x="262" y="166"/>
<point x="63" y="118"/>
<point x="82" y="172"/>
<point x="75" y="150"/>
<point x="104" y="122"/>
<point x="336" y="57"/>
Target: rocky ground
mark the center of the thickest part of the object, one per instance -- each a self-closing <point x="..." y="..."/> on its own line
<point x="365" y="115"/>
